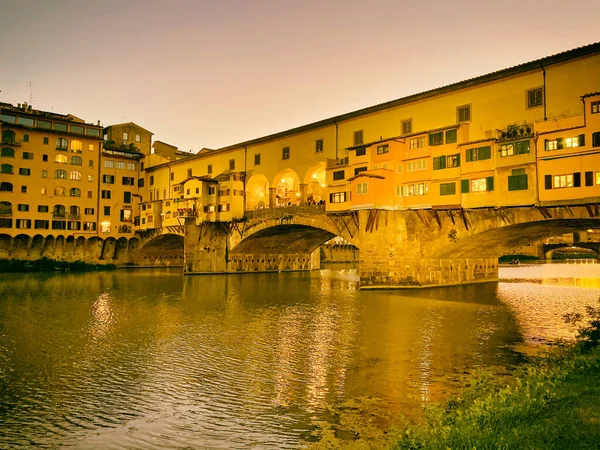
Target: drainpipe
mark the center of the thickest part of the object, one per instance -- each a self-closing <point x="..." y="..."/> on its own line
<point x="544" y="91"/>
<point x="98" y="192"/>
<point x="244" y="179"/>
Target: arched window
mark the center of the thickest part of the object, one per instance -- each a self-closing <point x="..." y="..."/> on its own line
<point x="62" y="144"/>
<point x="74" y="192"/>
<point x="60" y="191"/>
<point x="6" y="187"/>
<point x="5" y="208"/>
<point x="76" y="146"/>
<point x="74" y="211"/>
<point x="76" y="160"/>
<point x="61" y="159"/>
<point x="59" y="173"/>
<point x="7" y="152"/>
<point x="58" y="211"/>
<point x="75" y="175"/>
<point x="8" y="137"/>
<point x="7" y="168"/>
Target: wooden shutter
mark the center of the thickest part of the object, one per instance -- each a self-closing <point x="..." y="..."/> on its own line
<point x="559" y="143"/>
<point x="490" y="183"/>
<point x="577" y="179"/>
<point x="464" y="186"/>
<point x="589" y="178"/>
<point x="582" y="140"/>
<point x="548" y="181"/>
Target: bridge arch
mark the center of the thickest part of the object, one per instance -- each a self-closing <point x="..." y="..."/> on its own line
<point x="315" y="182"/>
<point x="162" y="249"/>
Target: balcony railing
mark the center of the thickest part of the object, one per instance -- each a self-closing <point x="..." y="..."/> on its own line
<point x="74" y="216"/>
<point x="59" y="215"/>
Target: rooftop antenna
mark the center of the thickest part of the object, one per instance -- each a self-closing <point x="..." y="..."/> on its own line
<point x="30" y="92"/>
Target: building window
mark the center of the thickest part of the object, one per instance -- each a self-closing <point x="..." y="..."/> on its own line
<point x="91" y="163"/>
<point x="439" y="162"/>
<point x="257" y="159"/>
<point x="76" y="146"/>
<point x="89" y="194"/>
<point x="6" y="187"/>
<point x="45" y="158"/>
<point x="447" y="188"/>
<point x="596" y="139"/>
<point x="109" y="163"/>
<point x="407" y="126"/>
<point x="419" y="164"/>
<point x="232" y="164"/>
<point x="128" y="181"/>
<point x="108" y="179"/>
<point x="88" y="211"/>
<point x="514" y="148"/>
<point x="75" y="175"/>
<point x="76" y="160"/>
<point x="562" y="181"/>
<point x="189" y="171"/>
<point x="358" y="137"/>
<point x="399" y="168"/>
<point x="535" y="97"/>
<point x="61" y="174"/>
<point x="453" y="160"/>
<point x="479" y="185"/>
<point x="41" y="224"/>
<point x="451" y="136"/>
<point x="23" y="189"/>
<point x="138" y="138"/>
<point x="463" y="113"/>
<point x="338" y="175"/>
<point x="209" y="169"/>
<point x="62" y="144"/>
<point x="361" y="151"/>
<point x="362" y="188"/>
<point x="23" y="207"/>
<point x="126" y="197"/>
<point x="43" y="208"/>
<point x="27" y="155"/>
<point x="337" y="197"/>
<point x="151" y="180"/>
<point x="120" y="165"/>
<point x="24" y="171"/>
<point x="62" y="159"/>
<point x="479" y="153"/>
<point x="46" y="141"/>
<point x="285" y="153"/>
<point x="125" y="136"/>
<point x="107" y="210"/>
<point x="359" y="170"/>
<point x="74" y="192"/>
<point x="7" y="152"/>
<point x="518" y="180"/>
<point x="131" y="166"/>
<point x="381" y="149"/>
<point x="25" y="138"/>
<point x="436" y="138"/>
<point x="211" y="190"/>
<point x="415" y="189"/>
<point x="318" y="145"/>
<point x="575" y="141"/>
<point x="44" y="174"/>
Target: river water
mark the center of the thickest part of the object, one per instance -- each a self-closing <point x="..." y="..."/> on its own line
<point x="150" y="359"/>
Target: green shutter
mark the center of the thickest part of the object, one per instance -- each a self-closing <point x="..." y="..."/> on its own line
<point x="458" y="160"/>
<point x="431" y="139"/>
<point x="490" y="183"/>
<point x="513" y="182"/>
<point x="469" y="154"/>
<point x="439" y="162"/>
<point x="464" y="186"/>
<point x="559" y="143"/>
<point x="577" y="179"/>
<point x="485" y="153"/>
<point x="589" y="178"/>
<point x="582" y="140"/>
<point x="548" y="181"/>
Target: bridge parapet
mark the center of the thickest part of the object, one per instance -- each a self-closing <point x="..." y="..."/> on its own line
<point x="285" y="211"/>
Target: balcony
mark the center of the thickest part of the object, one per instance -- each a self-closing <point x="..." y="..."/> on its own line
<point x="74" y="216"/>
<point x="59" y="215"/>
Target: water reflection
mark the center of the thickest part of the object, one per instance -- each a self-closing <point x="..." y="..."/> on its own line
<point x="152" y="359"/>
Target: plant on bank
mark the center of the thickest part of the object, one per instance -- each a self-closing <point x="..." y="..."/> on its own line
<point x="588" y="335"/>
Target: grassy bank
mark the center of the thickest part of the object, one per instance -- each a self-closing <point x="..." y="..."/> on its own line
<point x="49" y="265"/>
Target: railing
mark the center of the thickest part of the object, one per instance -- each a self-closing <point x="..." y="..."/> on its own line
<point x="75" y="216"/>
<point x="269" y="213"/>
<point x="59" y="215"/>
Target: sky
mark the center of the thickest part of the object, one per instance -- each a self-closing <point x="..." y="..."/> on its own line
<point x="214" y="73"/>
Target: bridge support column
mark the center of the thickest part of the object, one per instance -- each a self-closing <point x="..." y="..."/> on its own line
<point x="272" y="197"/>
<point x="205" y="247"/>
<point x="391" y="256"/>
<point x="303" y="187"/>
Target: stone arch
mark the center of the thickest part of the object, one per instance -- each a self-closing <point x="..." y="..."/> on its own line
<point x="79" y="250"/>
<point x="257" y="192"/>
<point x="69" y="248"/>
<point x="5" y="240"/>
<point x="496" y="242"/>
<point x="121" y="249"/>
<point x="581" y="247"/>
<point x="287" y="187"/>
<point x="108" y="248"/>
<point x="59" y="247"/>
<point x="162" y="250"/>
<point x="93" y="248"/>
<point x="314" y="179"/>
<point x="37" y="246"/>
<point x="20" y="247"/>
<point x="48" y="247"/>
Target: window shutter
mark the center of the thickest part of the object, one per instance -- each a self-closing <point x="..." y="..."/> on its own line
<point x="548" y="181"/>
<point x="559" y="143"/>
<point x="589" y="178"/>
<point x="469" y="154"/>
<point x="546" y="144"/>
<point x="431" y="139"/>
<point x="490" y="183"/>
<point x="330" y="198"/>
<point x="512" y="183"/>
<point x="485" y="153"/>
<point x="464" y="186"/>
<point x="596" y="139"/>
<point x="458" y="160"/>
<point x="582" y="140"/>
<point x="577" y="179"/>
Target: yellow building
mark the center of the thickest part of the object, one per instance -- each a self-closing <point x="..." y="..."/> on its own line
<point x="49" y="173"/>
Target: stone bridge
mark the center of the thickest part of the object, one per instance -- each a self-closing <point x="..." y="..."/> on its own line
<point x="547" y="249"/>
<point x="409" y="248"/>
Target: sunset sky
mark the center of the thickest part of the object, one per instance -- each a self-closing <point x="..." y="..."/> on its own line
<point x="214" y="73"/>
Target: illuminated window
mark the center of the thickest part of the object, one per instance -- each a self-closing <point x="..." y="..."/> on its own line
<point x="44" y="174"/>
<point x="61" y="159"/>
<point x="131" y="166"/>
<point x="453" y="160"/>
<point x="91" y="147"/>
<point x="108" y="179"/>
<point x="562" y="181"/>
<point x="595" y="107"/>
<point x="285" y="153"/>
<point x="337" y="197"/>
<point x="62" y="144"/>
<point x="60" y="191"/>
<point x="75" y="175"/>
<point x="138" y="138"/>
<point x="76" y="146"/>
<point x="479" y="185"/>
<point x="109" y="163"/>
<point x="125" y="135"/>
<point x="552" y="144"/>
<point x="535" y="97"/>
<point x="362" y="188"/>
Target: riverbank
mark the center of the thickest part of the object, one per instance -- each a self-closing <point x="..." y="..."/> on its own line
<point x="50" y="265"/>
